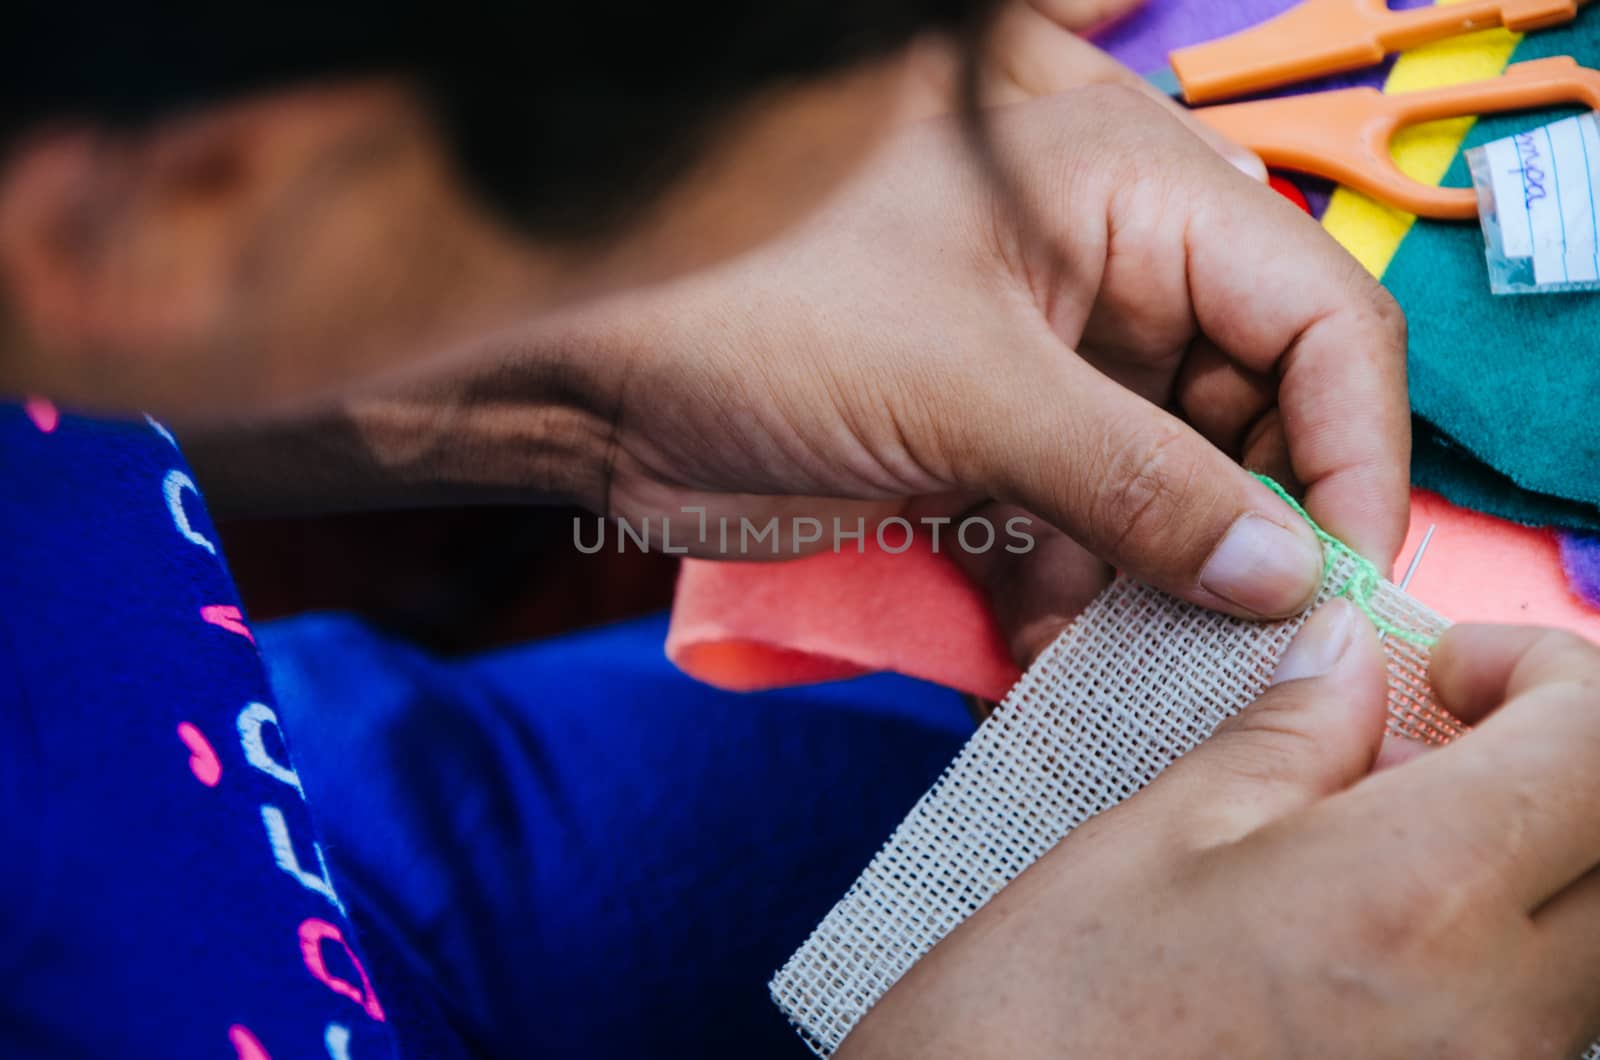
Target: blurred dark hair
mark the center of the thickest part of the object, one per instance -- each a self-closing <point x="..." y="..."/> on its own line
<point x="565" y="116"/>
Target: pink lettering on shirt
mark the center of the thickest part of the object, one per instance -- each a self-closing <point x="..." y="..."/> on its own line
<point x="203" y="760"/>
<point x="228" y="617"/>
<point x="313" y="932"/>
<point x="246" y="1046"/>
<point x="42" y="413"/>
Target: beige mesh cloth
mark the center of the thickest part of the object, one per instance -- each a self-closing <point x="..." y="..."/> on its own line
<point x="1139" y="679"/>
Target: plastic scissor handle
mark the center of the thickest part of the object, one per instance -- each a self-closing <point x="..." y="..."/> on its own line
<point x="1320" y="37"/>
<point x="1344" y="135"/>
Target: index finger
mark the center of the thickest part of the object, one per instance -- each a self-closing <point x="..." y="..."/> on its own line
<point x="1277" y="294"/>
<point x="1519" y="796"/>
<point x="1475" y="668"/>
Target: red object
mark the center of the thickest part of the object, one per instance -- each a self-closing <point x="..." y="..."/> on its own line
<point x="1289" y="190"/>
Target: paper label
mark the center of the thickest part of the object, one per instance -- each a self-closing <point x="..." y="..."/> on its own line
<point x="1545" y="183"/>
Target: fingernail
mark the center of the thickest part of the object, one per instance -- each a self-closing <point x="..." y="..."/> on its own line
<point x="1320" y="644"/>
<point x="1247" y="162"/>
<point x="1264" y="568"/>
<point x="1239" y="157"/>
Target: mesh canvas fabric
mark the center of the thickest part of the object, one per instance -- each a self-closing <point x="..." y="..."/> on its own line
<point x="1139" y="679"/>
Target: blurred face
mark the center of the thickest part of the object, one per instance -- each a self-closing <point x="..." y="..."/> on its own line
<point x="283" y="249"/>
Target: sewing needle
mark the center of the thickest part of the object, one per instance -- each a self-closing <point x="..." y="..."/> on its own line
<point x="1411" y="568"/>
<point x="1416" y="557"/>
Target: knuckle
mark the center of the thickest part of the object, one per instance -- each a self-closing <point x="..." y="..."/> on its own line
<point x="1435" y="900"/>
<point x="1144" y="485"/>
<point x="1569" y="705"/>
<point x="1138" y="122"/>
<point x="1409" y="922"/>
<point x="1390" y="355"/>
<point x="1439" y="899"/>
<point x="1561" y="654"/>
<point x="1264" y="744"/>
<point x="1257" y="761"/>
<point x="1113" y="96"/>
<point x="1390" y="315"/>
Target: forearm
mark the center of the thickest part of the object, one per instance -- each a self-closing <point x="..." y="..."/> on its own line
<point x="530" y="425"/>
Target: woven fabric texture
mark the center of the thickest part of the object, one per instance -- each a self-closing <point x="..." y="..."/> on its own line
<point x="1139" y="679"/>
<point x="1440" y="465"/>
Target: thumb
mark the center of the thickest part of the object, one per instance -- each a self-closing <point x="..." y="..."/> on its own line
<point x="1315" y="732"/>
<point x="1147" y="494"/>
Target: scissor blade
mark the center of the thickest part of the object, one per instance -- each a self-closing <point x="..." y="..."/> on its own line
<point x="1165" y="82"/>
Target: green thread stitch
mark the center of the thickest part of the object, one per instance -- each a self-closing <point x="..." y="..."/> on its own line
<point x="1363" y="583"/>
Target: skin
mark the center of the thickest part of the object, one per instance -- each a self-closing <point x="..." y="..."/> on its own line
<point x="839" y="314"/>
<point x="1106" y="387"/>
<point x="1460" y="924"/>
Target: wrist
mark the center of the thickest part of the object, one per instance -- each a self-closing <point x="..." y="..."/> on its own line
<point x="467" y="444"/>
<point x="532" y="426"/>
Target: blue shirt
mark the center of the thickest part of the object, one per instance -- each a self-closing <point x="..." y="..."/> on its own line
<point x="562" y="849"/>
<point x="164" y="892"/>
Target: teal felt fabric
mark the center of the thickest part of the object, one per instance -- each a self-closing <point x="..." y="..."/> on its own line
<point x="1438" y="464"/>
<point x="1507" y="386"/>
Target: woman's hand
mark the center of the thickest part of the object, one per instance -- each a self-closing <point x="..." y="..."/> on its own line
<point x="1099" y="362"/>
<point x="1266" y="897"/>
<point x="1104" y="360"/>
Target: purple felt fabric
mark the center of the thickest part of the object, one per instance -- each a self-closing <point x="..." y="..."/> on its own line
<point x="1580" y="556"/>
<point x="1143" y="39"/>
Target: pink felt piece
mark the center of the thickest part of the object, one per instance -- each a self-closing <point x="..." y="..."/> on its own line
<point x="1482" y="569"/>
<point x="749" y="626"/>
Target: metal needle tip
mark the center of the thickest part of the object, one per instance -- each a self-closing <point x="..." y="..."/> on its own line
<point x="1416" y="557"/>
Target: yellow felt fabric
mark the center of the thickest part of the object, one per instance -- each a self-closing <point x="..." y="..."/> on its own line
<point x="1372" y="231"/>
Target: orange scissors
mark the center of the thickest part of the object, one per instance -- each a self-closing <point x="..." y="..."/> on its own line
<point x="1343" y="135"/>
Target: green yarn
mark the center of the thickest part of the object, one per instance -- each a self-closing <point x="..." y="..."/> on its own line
<point x="1363" y="584"/>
